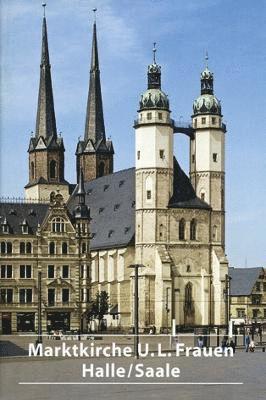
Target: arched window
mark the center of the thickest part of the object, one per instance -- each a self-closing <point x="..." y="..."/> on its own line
<point x="188" y="297"/>
<point x="3" y="247"/>
<point x="52" y="248"/>
<point x="58" y="225"/>
<point x="148" y="185"/>
<point x="64" y="248"/>
<point x="32" y="170"/>
<point x="28" y="248"/>
<point x="193" y="228"/>
<point x="9" y="247"/>
<point x="22" y="248"/>
<point x="101" y="169"/>
<point x="162" y="232"/>
<point x="83" y="248"/>
<point x="52" y="169"/>
<point x="182" y="226"/>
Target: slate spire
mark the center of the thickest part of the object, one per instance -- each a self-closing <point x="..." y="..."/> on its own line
<point x="45" y="121"/>
<point x="94" y="125"/>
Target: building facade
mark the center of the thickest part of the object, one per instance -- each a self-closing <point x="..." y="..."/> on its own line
<point x="248" y="295"/>
<point x="153" y="215"/>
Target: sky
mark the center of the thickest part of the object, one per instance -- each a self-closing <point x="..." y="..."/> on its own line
<point x="233" y="33"/>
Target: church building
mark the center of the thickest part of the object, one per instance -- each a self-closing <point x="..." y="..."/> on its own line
<point x="152" y="214"/>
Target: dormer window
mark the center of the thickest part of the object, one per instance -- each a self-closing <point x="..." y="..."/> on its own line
<point x="105" y="187"/>
<point x="5" y="228"/>
<point x="116" y="207"/>
<point x="25" y="228"/>
<point x="110" y="233"/>
<point x="101" y="210"/>
<point x="121" y="183"/>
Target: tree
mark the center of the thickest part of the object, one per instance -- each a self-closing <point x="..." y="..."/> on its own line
<point x="99" y="307"/>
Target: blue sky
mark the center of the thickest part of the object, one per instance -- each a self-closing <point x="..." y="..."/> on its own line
<point x="233" y="32"/>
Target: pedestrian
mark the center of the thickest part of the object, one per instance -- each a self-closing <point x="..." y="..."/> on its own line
<point x="252" y="346"/>
<point x="224" y="343"/>
<point x="232" y="345"/>
<point x="200" y="342"/>
<point x="247" y="342"/>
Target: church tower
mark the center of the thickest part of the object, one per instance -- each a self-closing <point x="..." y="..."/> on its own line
<point x="154" y="186"/>
<point x="46" y="148"/>
<point x="94" y="153"/>
<point x="207" y="155"/>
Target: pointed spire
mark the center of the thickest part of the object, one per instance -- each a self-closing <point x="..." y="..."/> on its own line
<point x="45" y="121"/>
<point x="94" y="126"/>
<point x="81" y="210"/>
<point x="81" y="189"/>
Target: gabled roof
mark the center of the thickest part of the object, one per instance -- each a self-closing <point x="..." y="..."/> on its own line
<point x="184" y="195"/>
<point x="243" y="280"/>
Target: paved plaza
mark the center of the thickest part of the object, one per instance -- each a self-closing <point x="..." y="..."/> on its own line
<point x="245" y="368"/>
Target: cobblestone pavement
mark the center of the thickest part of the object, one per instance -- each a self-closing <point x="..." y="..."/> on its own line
<point x="248" y="368"/>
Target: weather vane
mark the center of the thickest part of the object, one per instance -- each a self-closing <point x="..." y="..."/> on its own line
<point x="206" y="59"/>
<point x="94" y="10"/>
<point x="44" y="5"/>
<point x="154" y="52"/>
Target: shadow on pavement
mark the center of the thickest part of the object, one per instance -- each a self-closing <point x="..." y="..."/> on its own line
<point x="9" y="349"/>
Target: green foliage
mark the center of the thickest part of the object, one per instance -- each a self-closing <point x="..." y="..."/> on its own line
<point x="99" y="306"/>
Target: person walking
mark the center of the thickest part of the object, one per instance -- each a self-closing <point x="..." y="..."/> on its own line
<point x="247" y="342"/>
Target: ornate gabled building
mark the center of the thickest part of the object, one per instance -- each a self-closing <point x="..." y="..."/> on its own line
<point x="46" y="148"/>
<point x="153" y="214"/>
<point x="94" y="153"/>
<point x="46" y="239"/>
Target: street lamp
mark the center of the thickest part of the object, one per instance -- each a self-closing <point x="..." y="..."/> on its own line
<point x="136" y="309"/>
<point x="227" y="300"/>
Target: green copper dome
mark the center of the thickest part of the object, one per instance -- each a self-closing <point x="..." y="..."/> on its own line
<point x="207" y="104"/>
<point x="154" y="98"/>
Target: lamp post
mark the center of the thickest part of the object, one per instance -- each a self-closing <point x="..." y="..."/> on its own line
<point x="228" y="300"/>
<point x="167" y="308"/>
<point x="136" y="308"/>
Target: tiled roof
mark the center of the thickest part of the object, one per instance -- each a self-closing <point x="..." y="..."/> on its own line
<point x="15" y="213"/>
<point x="111" y="200"/>
<point x="243" y="280"/>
